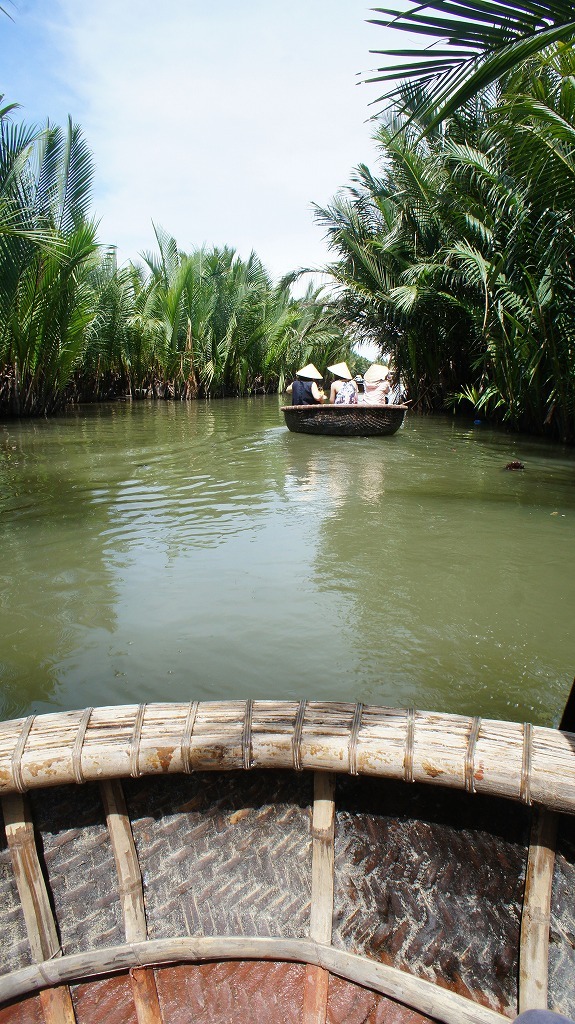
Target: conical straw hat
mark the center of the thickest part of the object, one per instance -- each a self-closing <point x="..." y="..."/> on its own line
<point x="310" y="372"/>
<point x="340" y="370"/>
<point x="376" y="373"/>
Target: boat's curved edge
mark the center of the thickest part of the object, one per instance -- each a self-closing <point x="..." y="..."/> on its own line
<point x="418" y="994"/>
<point x="522" y="762"/>
<point x="345" y="420"/>
<point x="343" y="410"/>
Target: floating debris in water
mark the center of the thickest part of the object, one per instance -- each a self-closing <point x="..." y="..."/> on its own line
<point x="515" y="465"/>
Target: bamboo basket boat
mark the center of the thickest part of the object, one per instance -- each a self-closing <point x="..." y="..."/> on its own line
<point x="284" y="862"/>
<point x="345" y="420"/>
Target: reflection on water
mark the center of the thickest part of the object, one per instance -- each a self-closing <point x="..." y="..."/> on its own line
<point x="173" y="551"/>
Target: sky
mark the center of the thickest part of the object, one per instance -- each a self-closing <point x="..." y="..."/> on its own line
<point x="222" y="123"/>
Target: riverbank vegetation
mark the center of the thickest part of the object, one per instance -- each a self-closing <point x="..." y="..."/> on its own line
<point x="74" y="326"/>
<point x="455" y="256"/>
<point x="458" y="254"/>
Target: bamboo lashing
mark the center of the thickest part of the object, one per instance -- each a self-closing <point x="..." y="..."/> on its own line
<point x="424" y="996"/>
<point x="144" y="988"/>
<point x="135" y="741"/>
<point x="297" y="732"/>
<point x="522" y="763"/>
<point x="247" y="736"/>
<point x="56" y="1003"/>
<point x="187" y="738"/>
<point x="355" y="727"/>
<point x="535" y="919"/>
<point x="525" y="787"/>
<point x="408" y="775"/>
<point x="470" y="755"/>
<point x="322" y="885"/>
<point x="78" y="744"/>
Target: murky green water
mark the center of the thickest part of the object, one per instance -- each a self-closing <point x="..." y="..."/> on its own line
<point x="173" y="552"/>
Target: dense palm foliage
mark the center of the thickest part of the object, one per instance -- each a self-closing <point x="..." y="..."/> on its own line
<point x="475" y="43"/>
<point x="459" y="258"/>
<point x="205" y="323"/>
<point x="47" y="249"/>
<point x="75" y="326"/>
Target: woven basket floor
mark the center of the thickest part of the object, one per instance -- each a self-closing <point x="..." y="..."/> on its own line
<point x="427" y="880"/>
<point x="223" y="993"/>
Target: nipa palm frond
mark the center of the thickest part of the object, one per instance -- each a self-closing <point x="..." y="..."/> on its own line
<point x="485" y="40"/>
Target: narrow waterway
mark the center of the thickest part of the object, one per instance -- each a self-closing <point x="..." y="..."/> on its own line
<point x="162" y="551"/>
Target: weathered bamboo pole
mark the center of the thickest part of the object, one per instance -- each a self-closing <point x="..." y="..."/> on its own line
<point x="322" y="884"/>
<point x="126" y="859"/>
<point x="534" y="942"/>
<point x="56" y="1002"/>
<point x="527" y="763"/>
<point x="144" y="988"/>
<point x="420" y="995"/>
<point x="534" y="946"/>
<point x="323" y="835"/>
<point x="536" y="915"/>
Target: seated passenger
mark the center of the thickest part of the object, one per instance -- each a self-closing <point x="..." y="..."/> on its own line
<point x="344" y="389"/>
<point x="376" y="386"/>
<point x="305" y="390"/>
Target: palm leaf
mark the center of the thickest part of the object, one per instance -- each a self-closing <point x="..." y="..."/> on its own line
<point x="486" y="38"/>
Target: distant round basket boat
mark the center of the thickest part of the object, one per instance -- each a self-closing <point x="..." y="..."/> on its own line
<point x="344" y="420"/>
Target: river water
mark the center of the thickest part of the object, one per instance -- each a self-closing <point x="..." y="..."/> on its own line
<point x="159" y="551"/>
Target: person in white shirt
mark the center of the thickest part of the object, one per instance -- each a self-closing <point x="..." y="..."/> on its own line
<point x="376" y="386"/>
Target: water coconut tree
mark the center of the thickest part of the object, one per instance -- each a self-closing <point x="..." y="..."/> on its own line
<point x="47" y="247"/>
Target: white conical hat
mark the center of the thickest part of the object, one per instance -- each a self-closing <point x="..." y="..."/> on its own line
<point x="376" y="373"/>
<point x="310" y="372"/>
<point x="340" y="370"/>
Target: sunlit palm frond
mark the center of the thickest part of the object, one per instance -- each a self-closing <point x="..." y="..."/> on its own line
<point x="483" y="40"/>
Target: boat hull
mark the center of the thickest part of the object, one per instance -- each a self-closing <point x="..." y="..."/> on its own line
<point x="225" y="992"/>
<point x="290" y="858"/>
<point x="345" y="420"/>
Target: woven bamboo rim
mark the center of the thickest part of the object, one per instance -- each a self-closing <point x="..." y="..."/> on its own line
<point x="347" y="410"/>
<point x="527" y="763"/>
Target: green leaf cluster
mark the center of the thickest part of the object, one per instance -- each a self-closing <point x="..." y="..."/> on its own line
<point x="459" y="256"/>
<point x="74" y="326"/>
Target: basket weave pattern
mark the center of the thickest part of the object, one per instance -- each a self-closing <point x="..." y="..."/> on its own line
<point x="344" y="420"/>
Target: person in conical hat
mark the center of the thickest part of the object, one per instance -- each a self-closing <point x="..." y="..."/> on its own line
<point x="376" y="372"/>
<point x="305" y="390"/>
<point x="340" y="370"/>
<point x="309" y="372"/>
<point x="376" y="388"/>
<point x="344" y="389"/>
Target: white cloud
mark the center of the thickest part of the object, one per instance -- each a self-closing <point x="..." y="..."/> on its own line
<point x="222" y="124"/>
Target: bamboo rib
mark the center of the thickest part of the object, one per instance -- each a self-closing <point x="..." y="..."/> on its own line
<point x="144" y="988"/>
<point x="322" y="885"/>
<point x="42" y="935"/>
<point x="323" y="836"/>
<point x="504" y="758"/>
<point x="534" y="943"/>
<point x="424" y="996"/>
<point x="126" y="858"/>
